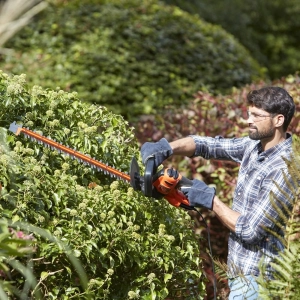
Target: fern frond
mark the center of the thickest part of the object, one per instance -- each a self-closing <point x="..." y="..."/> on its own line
<point x="286" y="282"/>
<point x="221" y="269"/>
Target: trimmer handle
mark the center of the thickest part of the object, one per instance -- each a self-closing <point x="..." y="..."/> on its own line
<point x="184" y="182"/>
<point x="168" y="182"/>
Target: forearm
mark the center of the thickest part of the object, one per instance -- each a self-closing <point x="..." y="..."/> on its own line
<point x="226" y="215"/>
<point x="185" y="146"/>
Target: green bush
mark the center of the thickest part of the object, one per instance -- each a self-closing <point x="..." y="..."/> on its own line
<point x="129" y="246"/>
<point x="267" y="28"/>
<point x="132" y="56"/>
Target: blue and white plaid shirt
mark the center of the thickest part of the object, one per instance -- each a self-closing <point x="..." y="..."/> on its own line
<point x="258" y="172"/>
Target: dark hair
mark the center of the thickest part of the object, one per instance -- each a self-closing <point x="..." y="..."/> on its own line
<point x="274" y="100"/>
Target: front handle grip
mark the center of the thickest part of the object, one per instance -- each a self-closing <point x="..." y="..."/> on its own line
<point x="184" y="182"/>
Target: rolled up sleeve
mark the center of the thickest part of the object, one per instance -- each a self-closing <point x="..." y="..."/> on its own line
<point x="220" y="148"/>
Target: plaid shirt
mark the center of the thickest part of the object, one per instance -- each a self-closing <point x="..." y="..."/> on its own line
<point x="259" y="171"/>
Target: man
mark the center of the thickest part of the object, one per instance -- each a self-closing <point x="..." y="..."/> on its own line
<point x="262" y="176"/>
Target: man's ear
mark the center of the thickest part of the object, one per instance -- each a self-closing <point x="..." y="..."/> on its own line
<point x="279" y="120"/>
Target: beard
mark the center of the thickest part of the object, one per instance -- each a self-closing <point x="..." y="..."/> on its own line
<point x="261" y="134"/>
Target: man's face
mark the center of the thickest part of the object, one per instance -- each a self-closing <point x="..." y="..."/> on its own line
<point x="260" y="124"/>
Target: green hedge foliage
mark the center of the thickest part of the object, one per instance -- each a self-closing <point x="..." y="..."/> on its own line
<point x="129" y="246"/>
<point x="132" y="56"/>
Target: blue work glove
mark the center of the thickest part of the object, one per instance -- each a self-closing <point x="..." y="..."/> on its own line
<point x="160" y="150"/>
<point x="199" y="194"/>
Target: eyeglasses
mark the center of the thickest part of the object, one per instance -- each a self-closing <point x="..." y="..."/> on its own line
<point x="257" y="117"/>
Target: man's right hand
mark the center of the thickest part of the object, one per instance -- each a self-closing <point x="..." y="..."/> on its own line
<point x="160" y="150"/>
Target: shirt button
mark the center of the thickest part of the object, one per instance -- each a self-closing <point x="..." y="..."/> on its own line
<point x="239" y="193"/>
<point x="259" y="178"/>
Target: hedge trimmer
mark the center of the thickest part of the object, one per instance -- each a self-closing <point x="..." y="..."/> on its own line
<point x="165" y="183"/>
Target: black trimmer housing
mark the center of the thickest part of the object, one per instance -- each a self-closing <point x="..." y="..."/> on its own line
<point x="142" y="183"/>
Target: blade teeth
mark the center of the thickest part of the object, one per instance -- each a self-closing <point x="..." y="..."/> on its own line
<point x="94" y="167"/>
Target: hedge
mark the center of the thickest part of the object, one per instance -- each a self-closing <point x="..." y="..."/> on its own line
<point x="128" y="245"/>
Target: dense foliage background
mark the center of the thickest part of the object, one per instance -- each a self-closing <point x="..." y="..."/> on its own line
<point x="268" y="29"/>
<point x="132" y="56"/>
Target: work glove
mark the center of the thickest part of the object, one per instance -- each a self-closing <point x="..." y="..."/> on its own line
<point x="199" y="194"/>
<point x="160" y="150"/>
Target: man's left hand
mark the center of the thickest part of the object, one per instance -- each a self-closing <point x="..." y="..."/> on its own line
<point x="199" y="194"/>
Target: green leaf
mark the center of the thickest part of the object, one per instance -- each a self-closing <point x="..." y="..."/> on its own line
<point x="56" y="198"/>
<point x="77" y="253"/>
<point x="167" y="277"/>
<point x="15" y="218"/>
<point x="103" y="251"/>
<point x="44" y="275"/>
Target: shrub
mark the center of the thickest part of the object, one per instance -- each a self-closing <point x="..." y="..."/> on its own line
<point x="129" y="246"/>
<point x="132" y="56"/>
<point x="265" y="27"/>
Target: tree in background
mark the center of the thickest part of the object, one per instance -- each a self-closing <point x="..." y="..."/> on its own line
<point x="269" y="29"/>
<point x="14" y="15"/>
